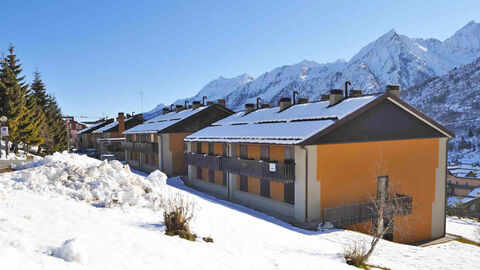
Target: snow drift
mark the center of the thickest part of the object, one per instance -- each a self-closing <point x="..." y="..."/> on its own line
<point x="101" y="183"/>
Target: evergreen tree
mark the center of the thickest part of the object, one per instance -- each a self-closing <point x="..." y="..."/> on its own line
<point x="33" y="125"/>
<point x="57" y="138"/>
<point x="38" y="91"/>
<point x="13" y="91"/>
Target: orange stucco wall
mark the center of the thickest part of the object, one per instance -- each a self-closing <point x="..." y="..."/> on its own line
<point x="348" y="174"/>
<point x="277" y="152"/>
<point x="218" y="149"/>
<point x="218" y="177"/>
<point x="176" y="147"/>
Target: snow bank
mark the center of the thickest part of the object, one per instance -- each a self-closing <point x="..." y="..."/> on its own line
<point x="101" y="183"/>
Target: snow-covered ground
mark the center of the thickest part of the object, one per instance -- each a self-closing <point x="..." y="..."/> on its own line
<point x="48" y="221"/>
<point x="464" y="227"/>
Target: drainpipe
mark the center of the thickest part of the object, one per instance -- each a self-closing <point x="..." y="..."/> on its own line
<point x="306" y="183"/>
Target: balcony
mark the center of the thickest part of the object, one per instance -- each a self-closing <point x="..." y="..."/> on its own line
<point x="149" y="148"/>
<point x="363" y="212"/>
<point x="128" y="146"/>
<point x="203" y="161"/>
<point x="280" y="172"/>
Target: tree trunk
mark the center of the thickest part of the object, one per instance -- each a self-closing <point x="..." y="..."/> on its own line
<point x="7" y="148"/>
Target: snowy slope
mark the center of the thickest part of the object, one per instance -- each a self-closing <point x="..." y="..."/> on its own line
<point x="453" y="100"/>
<point x="391" y="59"/>
<point x="34" y="227"/>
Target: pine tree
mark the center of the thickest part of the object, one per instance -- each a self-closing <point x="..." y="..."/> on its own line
<point x="33" y="125"/>
<point x="38" y="90"/>
<point x="13" y="91"/>
<point x="57" y="138"/>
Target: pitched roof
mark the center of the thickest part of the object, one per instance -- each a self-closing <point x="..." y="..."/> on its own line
<point x="164" y="121"/>
<point x="114" y="125"/>
<point x="298" y="124"/>
<point x="94" y="127"/>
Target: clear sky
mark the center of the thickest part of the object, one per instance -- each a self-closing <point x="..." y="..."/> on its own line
<point x="97" y="56"/>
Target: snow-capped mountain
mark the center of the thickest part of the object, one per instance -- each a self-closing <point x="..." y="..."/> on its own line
<point x="391" y="59"/>
<point x="453" y="100"/>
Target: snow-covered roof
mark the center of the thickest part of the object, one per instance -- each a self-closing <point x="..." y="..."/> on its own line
<point x="290" y="126"/>
<point x="92" y="127"/>
<point x="163" y="121"/>
<point x="106" y="127"/>
<point x="465" y="170"/>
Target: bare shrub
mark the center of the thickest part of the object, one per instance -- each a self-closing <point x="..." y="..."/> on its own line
<point x="355" y="254"/>
<point x="178" y="213"/>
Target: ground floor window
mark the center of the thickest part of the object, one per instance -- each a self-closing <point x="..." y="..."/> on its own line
<point x="289" y="193"/>
<point x="243" y="183"/>
<point x="265" y="188"/>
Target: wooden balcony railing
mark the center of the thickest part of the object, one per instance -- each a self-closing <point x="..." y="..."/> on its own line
<point x="203" y="161"/>
<point x="148" y="148"/>
<point x="357" y="213"/>
<point x="280" y="172"/>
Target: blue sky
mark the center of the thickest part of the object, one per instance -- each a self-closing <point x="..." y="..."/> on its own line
<point x="97" y="56"/>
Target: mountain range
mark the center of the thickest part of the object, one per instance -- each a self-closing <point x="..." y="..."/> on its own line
<point x="439" y="77"/>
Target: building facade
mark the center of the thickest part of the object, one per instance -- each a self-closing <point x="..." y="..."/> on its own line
<point x="309" y="163"/>
<point x="158" y="144"/>
<point x="85" y="137"/>
<point x="110" y="137"/>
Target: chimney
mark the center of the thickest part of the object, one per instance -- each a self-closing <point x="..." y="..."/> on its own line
<point x="336" y="95"/>
<point x="393" y="89"/>
<point x="355" y="93"/>
<point x="265" y="105"/>
<point x="210" y="102"/>
<point x="121" y="123"/>
<point x="249" y="107"/>
<point x="325" y="97"/>
<point x="196" y="104"/>
<point x="179" y="108"/>
<point x="222" y="102"/>
<point x="284" y="103"/>
<point x="302" y="100"/>
<point x="165" y="110"/>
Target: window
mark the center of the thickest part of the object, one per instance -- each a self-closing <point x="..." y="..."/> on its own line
<point x="289" y="155"/>
<point x="382" y="187"/>
<point x="224" y="150"/>
<point x="456" y="182"/>
<point x="224" y="178"/>
<point x="199" y="173"/>
<point x="210" y="148"/>
<point x="243" y="151"/>
<point x="243" y="183"/>
<point x="265" y="152"/>
<point x="466" y="183"/>
<point x="265" y="188"/>
<point x="199" y="147"/>
<point x="211" y="176"/>
<point x="289" y="193"/>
